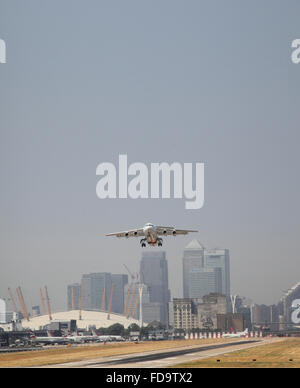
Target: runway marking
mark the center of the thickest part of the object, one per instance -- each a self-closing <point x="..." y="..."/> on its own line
<point x="165" y="358"/>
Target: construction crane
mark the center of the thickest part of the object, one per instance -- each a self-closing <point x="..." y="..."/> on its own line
<point x="80" y="303"/>
<point x="22" y="303"/>
<point x="103" y="299"/>
<point x="126" y="302"/>
<point x="130" y="273"/>
<point x="132" y="286"/>
<point x="48" y="303"/>
<point x="135" y="306"/>
<point x="73" y="299"/>
<point x="44" y="312"/>
<point x="142" y="277"/>
<point x="13" y="301"/>
<point x="110" y="301"/>
<point x="131" y="301"/>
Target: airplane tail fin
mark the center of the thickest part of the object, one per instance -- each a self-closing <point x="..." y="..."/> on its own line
<point x="32" y="335"/>
<point x="65" y="332"/>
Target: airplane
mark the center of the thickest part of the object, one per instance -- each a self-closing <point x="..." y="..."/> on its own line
<point x="106" y="338"/>
<point x="117" y="338"/>
<point x="151" y="234"/>
<point x="96" y="338"/>
<point x="239" y="334"/>
<point x="74" y="337"/>
<point x="81" y="339"/>
<point x="50" y="339"/>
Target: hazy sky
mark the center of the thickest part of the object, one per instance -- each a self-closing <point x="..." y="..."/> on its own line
<point x="168" y="80"/>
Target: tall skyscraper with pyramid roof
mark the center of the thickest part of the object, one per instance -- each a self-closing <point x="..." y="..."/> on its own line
<point x="205" y="271"/>
<point x="193" y="258"/>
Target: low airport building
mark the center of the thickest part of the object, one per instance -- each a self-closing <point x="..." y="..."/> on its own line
<point x="199" y="313"/>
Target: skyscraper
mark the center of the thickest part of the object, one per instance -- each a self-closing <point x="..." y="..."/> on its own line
<point x="193" y="258"/>
<point x="204" y="281"/>
<point x="96" y="288"/>
<point x="2" y="311"/>
<point x="119" y="282"/>
<point x="205" y="271"/>
<point x="154" y="274"/>
<point x="36" y="311"/>
<point x="219" y="258"/>
<point x="73" y="296"/>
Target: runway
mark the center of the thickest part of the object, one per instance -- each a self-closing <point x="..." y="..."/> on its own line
<point x="162" y="359"/>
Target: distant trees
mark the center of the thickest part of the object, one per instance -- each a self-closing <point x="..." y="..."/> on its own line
<point x="155" y="325"/>
<point x="133" y="327"/>
<point x="116" y="329"/>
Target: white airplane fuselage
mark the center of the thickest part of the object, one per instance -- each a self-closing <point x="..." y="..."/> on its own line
<point x="237" y="335"/>
<point x="49" y="340"/>
<point x="150" y="234"/>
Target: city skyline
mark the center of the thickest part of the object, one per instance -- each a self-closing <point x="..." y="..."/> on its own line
<point x="193" y="247"/>
<point x="144" y="273"/>
<point x="212" y="82"/>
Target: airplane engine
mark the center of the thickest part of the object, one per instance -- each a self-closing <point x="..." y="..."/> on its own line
<point x="165" y="232"/>
<point x="174" y="232"/>
<point x="126" y="234"/>
<point x="135" y="233"/>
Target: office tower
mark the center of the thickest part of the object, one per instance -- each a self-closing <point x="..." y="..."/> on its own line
<point x="96" y="289"/>
<point x="211" y="306"/>
<point x="193" y="258"/>
<point x="2" y="311"/>
<point x="119" y="282"/>
<point x="219" y="258"/>
<point x="265" y="317"/>
<point x="205" y="271"/>
<point x="73" y="296"/>
<point x="198" y="313"/>
<point x="204" y="281"/>
<point x="154" y="312"/>
<point x="154" y="274"/>
<point x="185" y="314"/>
<point x="36" y="311"/>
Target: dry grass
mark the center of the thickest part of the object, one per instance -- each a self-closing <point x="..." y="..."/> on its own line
<point x="87" y="352"/>
<point x="283" y="354"/>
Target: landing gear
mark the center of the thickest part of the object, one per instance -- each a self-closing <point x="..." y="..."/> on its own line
<point x="143" y="242"/>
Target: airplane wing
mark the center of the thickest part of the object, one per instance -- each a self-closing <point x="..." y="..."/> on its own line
<point x="169" y="231"/>
<point x="128" y="233"/>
